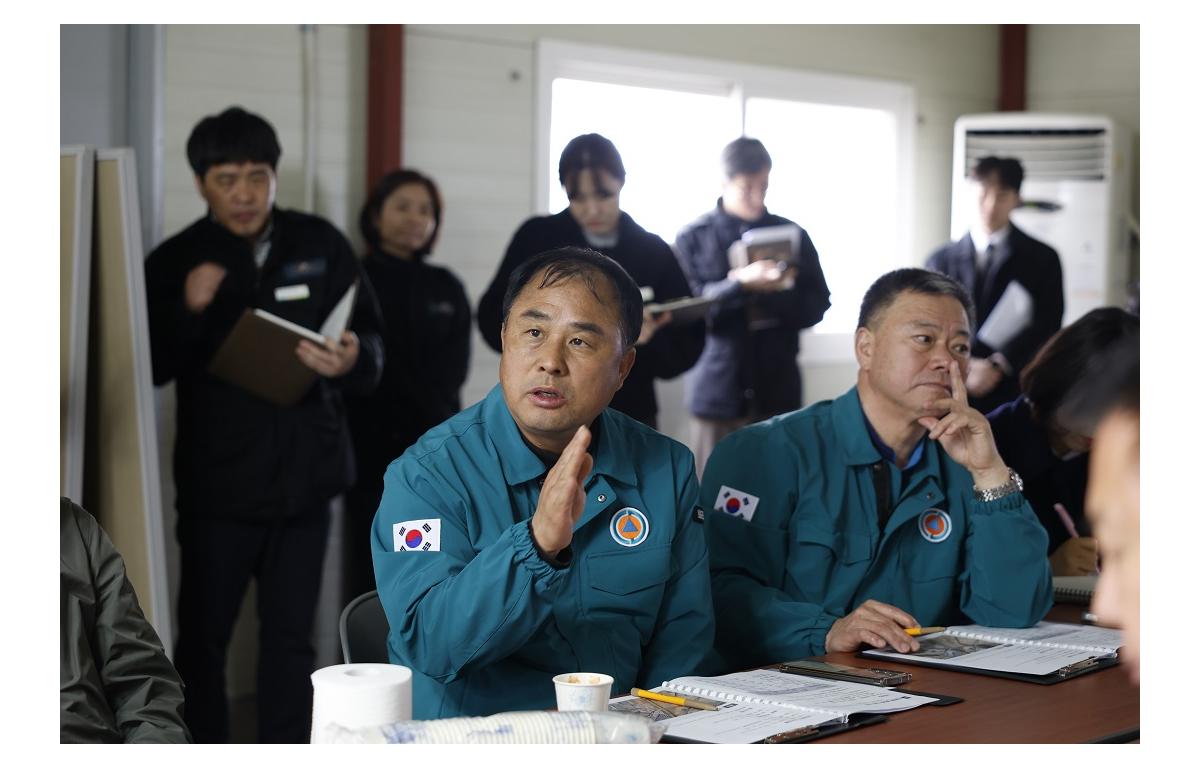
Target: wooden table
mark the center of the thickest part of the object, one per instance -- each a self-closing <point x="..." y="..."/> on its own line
<point x="1099" y="706"/>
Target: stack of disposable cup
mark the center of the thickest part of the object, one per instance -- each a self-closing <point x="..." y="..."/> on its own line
<point x="358" y="696"/>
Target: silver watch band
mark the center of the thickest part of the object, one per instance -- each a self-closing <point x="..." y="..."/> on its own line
<point x="1014" y="485"/>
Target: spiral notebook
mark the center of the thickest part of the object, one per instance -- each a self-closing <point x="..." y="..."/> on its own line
<point x="764" y="703"/>
<point x="1076" y="590"/>
<point x="1046" y="652"/>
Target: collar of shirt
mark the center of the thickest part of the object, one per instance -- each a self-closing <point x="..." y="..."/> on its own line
<point x="520" y="464"/>
<point x="861" y="444"/>
<point x="981" y="240"/>
<point x="731" y="224"/>
<point x="888" y="454"/>
<point x="262" y="246"/>
<point x="859" y="448"/>
<point x="601" y="241"/>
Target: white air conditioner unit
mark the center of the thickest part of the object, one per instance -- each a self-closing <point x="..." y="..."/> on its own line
<point x="1075" y="194"/>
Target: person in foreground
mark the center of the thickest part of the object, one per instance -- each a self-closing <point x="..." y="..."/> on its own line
<point x="116" y="684"/>
<point x="885" y="509"/>
<point x="1113" y="493"/>
<point x="538" y="531"/>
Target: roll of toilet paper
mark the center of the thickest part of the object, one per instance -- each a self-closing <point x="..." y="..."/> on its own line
<point x="359" y="696"/>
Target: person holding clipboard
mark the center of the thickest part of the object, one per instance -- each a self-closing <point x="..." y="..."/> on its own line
<point x="254" y="478"/>
<point x="748" y="370"/>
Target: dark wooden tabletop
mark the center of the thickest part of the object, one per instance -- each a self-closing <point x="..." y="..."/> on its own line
<point x="1092" y="707"/>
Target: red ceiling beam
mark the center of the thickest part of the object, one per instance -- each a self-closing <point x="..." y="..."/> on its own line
<point x="385" y="99"/>
<point x="1014" y="52"/>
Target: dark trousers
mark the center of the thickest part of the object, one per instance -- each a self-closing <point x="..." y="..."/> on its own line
<point x="218" y="557"/>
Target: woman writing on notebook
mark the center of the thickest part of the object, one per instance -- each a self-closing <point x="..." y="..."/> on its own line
<point x="592" y="175"/>
<point x="1047" y="447"/>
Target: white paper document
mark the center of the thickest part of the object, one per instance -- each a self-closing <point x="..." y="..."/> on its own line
<point x="741" y="723"/>
<point x="339" y="316"/>
<point x="1081" y="637"/>
<point x="1041" y="649"/>
<point x="762" y="703"/>
<point x="783" y="688"/>
<point x="1012" y="314"/>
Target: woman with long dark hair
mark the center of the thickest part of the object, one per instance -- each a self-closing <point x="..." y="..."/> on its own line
<point x="427" y="341"/>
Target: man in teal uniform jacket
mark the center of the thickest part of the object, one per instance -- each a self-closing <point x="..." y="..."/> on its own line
<point x="846" y="522"/>
<point x="538" y="532"/>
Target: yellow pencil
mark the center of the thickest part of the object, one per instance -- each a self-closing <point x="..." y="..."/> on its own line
<point x="682" y="701"/>
<point x="918" y="631"/>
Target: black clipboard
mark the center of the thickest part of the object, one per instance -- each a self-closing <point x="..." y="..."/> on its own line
<point x="856" y="720"/>
<point x="939" y="700"/>
<point x="1050" y="679"/>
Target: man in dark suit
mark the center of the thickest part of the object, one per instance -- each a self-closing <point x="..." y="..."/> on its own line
<point x="1003" y="268"/>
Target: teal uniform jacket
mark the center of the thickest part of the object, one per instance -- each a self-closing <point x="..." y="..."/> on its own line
<point x="483" y="621"/>
<point x="811" y="550"/>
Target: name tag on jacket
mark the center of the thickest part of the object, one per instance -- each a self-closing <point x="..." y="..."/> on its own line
<point x="291" y="292"/>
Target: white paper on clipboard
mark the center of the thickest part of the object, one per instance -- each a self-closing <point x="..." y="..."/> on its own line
<point x="1011" y="315"/>
<point x="339" y="316"/>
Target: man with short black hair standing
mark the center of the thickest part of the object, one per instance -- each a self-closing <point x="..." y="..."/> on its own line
<point x="1002" y="267"/>
<point x="253" y="479"/>
<point x="748" y="369"/>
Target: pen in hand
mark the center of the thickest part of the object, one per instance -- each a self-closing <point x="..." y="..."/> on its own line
<point x="1068" y="523"/>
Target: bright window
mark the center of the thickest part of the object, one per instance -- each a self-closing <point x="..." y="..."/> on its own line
<point x="669" y="141"/>
<point x="841" y="151"/>
<point x="834" y="173"/>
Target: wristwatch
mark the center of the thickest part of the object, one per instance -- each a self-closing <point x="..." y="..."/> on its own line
<point x="1014" y="485"/>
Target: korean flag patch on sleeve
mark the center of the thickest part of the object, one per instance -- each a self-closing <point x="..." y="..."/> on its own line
<point x="417" y="536"/>
<point x="731" y="501"/>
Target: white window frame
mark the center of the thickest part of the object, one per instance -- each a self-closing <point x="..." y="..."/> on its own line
<point x="561" y="59"/>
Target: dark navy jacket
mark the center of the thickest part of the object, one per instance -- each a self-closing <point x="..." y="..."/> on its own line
<point x="745" y="370"/>
<point x="427" y="343"/>
<point x="1037" y="268"/>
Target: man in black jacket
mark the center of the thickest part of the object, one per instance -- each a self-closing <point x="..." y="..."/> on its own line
<point x="748" y="369"/>
<point x="1003" y="267"/>
<point x="253" y="479"/>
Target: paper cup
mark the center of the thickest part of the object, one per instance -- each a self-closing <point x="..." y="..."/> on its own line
<point x="587" y="691"/>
